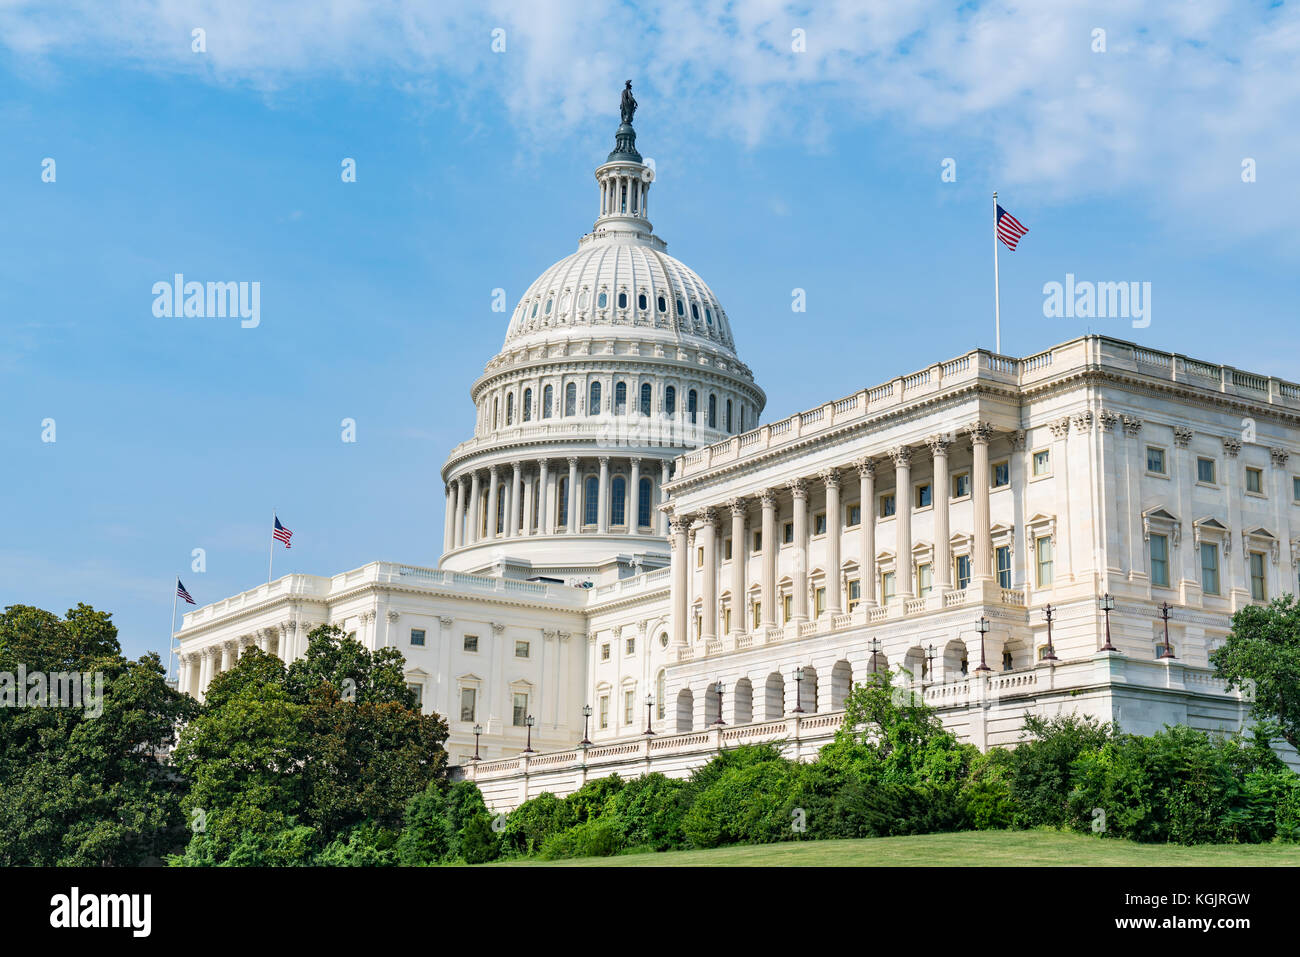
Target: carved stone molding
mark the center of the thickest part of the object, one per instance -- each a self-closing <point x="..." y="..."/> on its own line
<point x="902" y="456"/>
<point x="866" y="467"/>
<point x="1232" y="448"/>
<point x="1182" y="436"/>
<point x="799" y="489"/>
<point x="1061" y="427"/>
<point x="1107" y="420"/>
<point x="1082" y="421"/>
<point x="1280" y="456"/>
<point x="1132" y="425"/>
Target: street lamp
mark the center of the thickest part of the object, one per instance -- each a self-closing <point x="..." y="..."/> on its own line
<point x="720" y="721"/>
<point x="649" y="703"/>
<point x="528" y="748"/>
<point x="586" y="717"/>
<point x="478" y="729"/>
<point x="1051" y="652"/>
<point x="875" y="647"/>
<point x="798" y="691"/>
<point x="983" y="630"/>
<point x="1107" y="604"/>
<point x="1169" y="651"/>
<point x="929" y="659"/>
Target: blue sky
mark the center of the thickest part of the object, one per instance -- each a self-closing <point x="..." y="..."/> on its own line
<point x="777" y="169"/>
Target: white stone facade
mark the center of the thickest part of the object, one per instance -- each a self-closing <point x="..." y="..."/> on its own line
<point x="874" y="532"/>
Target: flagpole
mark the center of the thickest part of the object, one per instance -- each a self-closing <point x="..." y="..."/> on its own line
<point x="270" y="551"/>
<point x="997" y="305"/>
<point x="171" y="634"/>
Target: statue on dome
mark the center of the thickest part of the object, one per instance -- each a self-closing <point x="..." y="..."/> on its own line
<point x="627" y="106"/>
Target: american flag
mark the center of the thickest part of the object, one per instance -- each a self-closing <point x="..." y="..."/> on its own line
<point x="182" y="593"/>
<point x="1009" y="229"/>
<point x="281" y="534"/>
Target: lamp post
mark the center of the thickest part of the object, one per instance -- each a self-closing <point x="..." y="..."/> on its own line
<point x="1107" y="604"/>
<point x="649" y="703"/>
<point x="875" y="647"/>
<point x="798" y="691"/>
<point x="528" y="748"/>
<point x="929" y="661"/>
<point x="586" y="717"/>
<point x="983" y="627"/>
<point x="1168" y="653"/>
<point x="720" y="721"/>
<point x="478" y="729"/>
<point x="1051" y="652"/>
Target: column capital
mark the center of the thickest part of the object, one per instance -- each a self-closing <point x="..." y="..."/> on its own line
<point x="1107" y="420"/>
<point x="768" y="498"/>
<point x="446" y="621"/>
<point x="1182" y="436"/>
<point x="518" y="467"/>
<point x="980" y="432"/>
<point x="1279" y="456"/>
<point x="866" y="466"/>
<point x="1061" y="427"/>
<point x="938" y="444"/>
<point x="635" y="461"/>
<point x="738" y="506"/>
<point x="1018" y="438"/>
<point x="603" y="460"/>
<point x="902" y="456"/>
<point x="544" y="463"/>
<point x="494" y="471"/>
<point x="1082" y="421"/>
<point x="1232" y="447"/>
<point x="830" y="477"/>
<point x="798" y="488"/>
<point x="1132" y="425"/>
<point x="573" y="461"/>
<point x="681" y="524"/>
<point x="710" y="517"/>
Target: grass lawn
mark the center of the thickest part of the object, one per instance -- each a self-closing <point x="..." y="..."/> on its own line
<point x="984" y="848"/>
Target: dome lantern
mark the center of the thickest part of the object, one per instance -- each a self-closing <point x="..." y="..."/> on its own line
<point x="624" y="180"/>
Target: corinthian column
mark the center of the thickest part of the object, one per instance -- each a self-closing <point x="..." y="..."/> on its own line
<point x="942" y="547"/>
<point x="475" y="509"/>
<point x="512" y="501"/>
<point x="573" y="495"/>
<point x="867" y="529"/>
<point x="708" y="535"/>
<point x="681" y="568"/>
<point x="493" y="484"/>
<point x="902" y="457"/>
<point x="982" y="566"/>
<point x="738" y="553"/>
<point x="834" y="603"/>
<point x="768" y="557"/>
<point x="634" y="498"/>
<point x="543" y="497"/>
<point x="602" y="501"/>
<point x="799" y="489"/>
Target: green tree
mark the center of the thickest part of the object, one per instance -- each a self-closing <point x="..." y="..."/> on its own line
<point x="360" y="675"/>
<point x="1262" y="654"/>
<point x="81" y="786"/>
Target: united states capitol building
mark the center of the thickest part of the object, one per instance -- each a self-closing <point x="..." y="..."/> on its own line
<point x="638" y="570"/>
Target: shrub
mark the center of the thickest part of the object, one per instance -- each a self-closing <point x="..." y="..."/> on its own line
<point x="650" y="810"/>
<point x="1041" y="767"/>
<point x="477" y="841"/>
<point x="591" y="800"/>
<point x="744" y="805"/>
<point x="530" y="824"/>
<point x="598" y="837"/>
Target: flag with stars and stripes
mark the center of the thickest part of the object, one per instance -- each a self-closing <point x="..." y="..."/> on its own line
<point x="281" y="534"/>
<point x="1010" y="229"/>
<point x="182" y="593"/>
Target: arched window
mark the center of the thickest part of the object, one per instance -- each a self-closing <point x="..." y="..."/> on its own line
<point x="591" y="500"/>
<point x="693" y="407"/>
<point x="713" y="411"/>
<point x="643" y="504"/>
<point x="642" y="302"/>
<point x="620" y="398"/>
<point x="602" y="300"/>
<point x="618" y="501"/>
<point x="510" y="408"/>
<point x="528" y="405"/>
<point x="670" y="400"/>
<point x="622" y="300"/>
<point x="563" y="521"/>
<point x="645" y="398"/>
<point x="593" y="400"/>
<point x="681" y="310"/>
<point x="548" y="398"/>
<point x="496" y="407"/>
<point x="501" y="508"/>
<point x="663" y="304"/>
<point x="728" y="415"/>
<point x="571" y="399"/>
<point x="660" y="681"/>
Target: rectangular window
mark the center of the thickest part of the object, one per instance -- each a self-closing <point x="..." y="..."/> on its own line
<point x="887" y="586"/>
<point x="604" y="711"/>
<point x="924" y="495"/>
<point x="787" y="608"/>
<point x="1295" y="489"/>
<point x="521" y="649"/>
<point x="520" y="709"/>
<point x="1257" y="590"/>
<point x="758" y="541"/>
<point x="468" y="701"/>
<point x="1001" y="474"/>
<point x="604" y="652"/>
<point x="855" y="592"/>
<point x="1003" y="555"/>
<point x="1209" y="568"/>
<point x="726" y="550"/>
<point x="1205" y="471"/>
<point x="758" y="614"/>
<point x="961" y="485"/>
<point x="1160" y="560"/>
<point x="1255" y="480"/>
<point x="726" y="620"/>
<point x="471" y="643"/>
<point x="886" y="506"/>
<point x="699" y="556"/>
<point x="417" y="636"/>
<point x="629" y="646"/>
<point x="1043" y="548"/>
<point x="1155" y="460"/>
<point x="629" y="707"/>
<point x="787" y="533"/>
<point x="819" y="601"/>
<point x="418" y="691"/>
<point x="963" y="571"/>
<point x="924" y="579"/>
<point x="1042" y="462"/>
<point x="819" y="523"/>
<point x="855" y="513"/>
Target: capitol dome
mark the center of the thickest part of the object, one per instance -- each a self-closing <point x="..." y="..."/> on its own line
<point x="617" y="359"/>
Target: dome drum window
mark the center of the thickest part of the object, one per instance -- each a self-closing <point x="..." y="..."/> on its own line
<point x="663" y="304"/>
<point x="622" y="300"/>
<point x="642" y="302"/>
<point x="602" y="300"/>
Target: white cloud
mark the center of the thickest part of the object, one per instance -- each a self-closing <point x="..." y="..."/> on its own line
<point x="1183" y="93"/>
